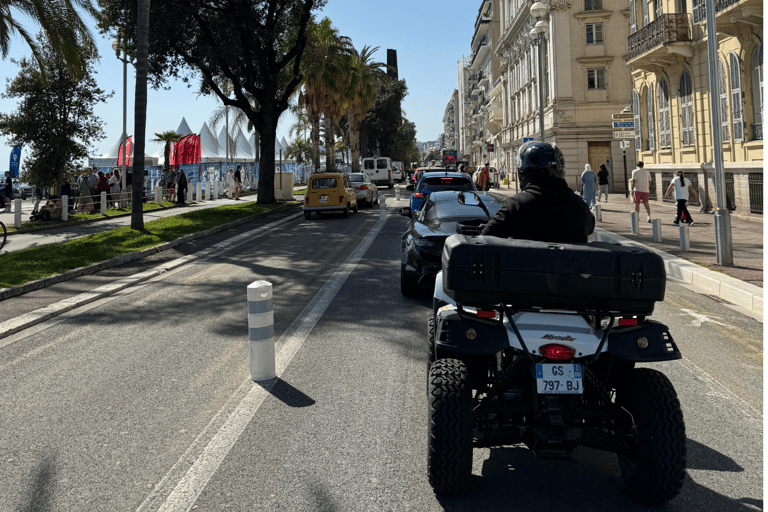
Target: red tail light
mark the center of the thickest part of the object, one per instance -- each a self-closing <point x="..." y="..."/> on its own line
<point x="306" y="201"/>
<point x="486" y="314"/>
<point x="418" y="194"/>
<point x="362" y="187"/>
<point x="627" y="321"/>
<point x="557" y="351"/>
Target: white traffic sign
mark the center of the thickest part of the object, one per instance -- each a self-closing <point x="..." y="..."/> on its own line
<point x="623" y="124"/>
<point x="624" y="135"/>
<point x="622" y="117"/>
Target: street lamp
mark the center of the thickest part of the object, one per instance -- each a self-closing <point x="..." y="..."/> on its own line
<point x="125" y="59"/>
<point x="539" y="11"/>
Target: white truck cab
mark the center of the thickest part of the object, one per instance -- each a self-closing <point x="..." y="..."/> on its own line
<point x="379" y="169"/>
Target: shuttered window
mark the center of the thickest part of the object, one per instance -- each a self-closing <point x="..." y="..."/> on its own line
<point x="665" y="132"/>
<point x="686" y="109"/>
<point x="650" y="121"/>
<point x="725" y="121"/>
<point x="636" y="111"/>
<point x="738" y="120"/>
<point x="632" y="16"/>
<point x="756" y="75"/>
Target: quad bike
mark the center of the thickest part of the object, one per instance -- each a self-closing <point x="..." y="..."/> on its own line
<point x="550" y="373"/>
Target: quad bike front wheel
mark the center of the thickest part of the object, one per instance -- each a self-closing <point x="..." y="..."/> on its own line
<point x="654" y="470"/>
<point x="449" y="440"/>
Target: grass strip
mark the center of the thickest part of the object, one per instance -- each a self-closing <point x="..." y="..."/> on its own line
<point x="27" y="265"/>
<point x="79" y="217"/>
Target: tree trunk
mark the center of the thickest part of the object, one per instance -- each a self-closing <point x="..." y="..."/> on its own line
<point x="330" y="145"/>
<point x="354" y="143"/>
<point x="315" y="135"/>
<point x="266" y="188"/>
<point x="140" y="114"/>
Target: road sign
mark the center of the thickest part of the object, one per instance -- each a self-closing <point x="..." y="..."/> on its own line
<point x="623" y="124"/>
<point x="623" y="144"/>
<point x="622" y="117"/>
<point x="527" y="139"/>
<point x="624" y="135"/>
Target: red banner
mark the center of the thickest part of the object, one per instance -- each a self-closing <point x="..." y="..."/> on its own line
<point x="128" y="149"/>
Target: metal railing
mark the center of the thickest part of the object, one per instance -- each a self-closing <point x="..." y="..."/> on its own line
<point x="730" y="192"/>
<point x="756" y="192"/>
<point x="652" y="186"/>
<point x="669" y="28"/>
<point x="757" y="131"/>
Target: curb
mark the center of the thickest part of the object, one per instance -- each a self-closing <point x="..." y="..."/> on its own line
<point x="32" y="318"/>
<point x="746" y="295"/>
<point x="43" y="282"/>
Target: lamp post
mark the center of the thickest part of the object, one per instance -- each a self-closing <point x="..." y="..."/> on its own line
<point x="539" y="11"/>
<point x="125" y="59"/>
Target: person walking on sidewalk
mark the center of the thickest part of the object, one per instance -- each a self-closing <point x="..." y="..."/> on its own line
<point x="602" y="182"/>
<point x="238" y="182"/>
<point x="588" y="186"/>
<point x="8" y="191"/>
<point x="640" y="186"/>
<point x="181" y="187"/>
<point x="682" y="187"/>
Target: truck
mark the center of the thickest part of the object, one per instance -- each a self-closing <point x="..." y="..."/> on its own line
<point x="379" y="169"/>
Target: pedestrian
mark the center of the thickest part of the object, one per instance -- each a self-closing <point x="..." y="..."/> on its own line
<point x="93" y="179"/>
<point x="640" y="187"/>
<point x="602" y="182"/>
<point x="181" y="187"/>
<point x="114" y="187"/>
<point x="172" y="185"/>
<point x="588" y="186"/>
<point x="682" y="188"/>
<point x="8" y="191"/>
<point x="230" y="184"/>
<point x="85" y="193"/>
<point x="482" y="176"/>
<point x="102" y="185"/>
<point x="238" y="182"/>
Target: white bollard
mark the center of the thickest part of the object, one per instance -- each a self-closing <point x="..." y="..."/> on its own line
<point x="208" y="187"/>
<point x="103" y="203"/>
<point x="17" y="213"/>
<point x="64" y="207"/>
<point x="598" y="214"/>
<point x="199" y="191"/>
<point x="261" y="331"/>
<point x="685" y="240"/>
<point x="159" y="196"/>
<point x="397" y="193"/>
<point x="635" y="222"/>
<point x="656" y="223"/>
<point x="216" y="189"/>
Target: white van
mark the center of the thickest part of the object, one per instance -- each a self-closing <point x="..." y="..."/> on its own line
<point x="379" y="169"/>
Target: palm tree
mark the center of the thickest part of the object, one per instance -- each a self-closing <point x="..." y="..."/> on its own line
<point x="62" y="25"/>
<point x="140" y="113"/>
<point x="167" y="138"/>
<point x="237" y="120"/>
<point x="366" y="76"/>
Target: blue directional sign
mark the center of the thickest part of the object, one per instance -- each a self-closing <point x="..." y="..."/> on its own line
<point x="623" y="124"/>
<point x="527" y="139"/>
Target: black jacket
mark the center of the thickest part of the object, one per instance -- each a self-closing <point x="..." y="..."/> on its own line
<point x="547" y="211"/>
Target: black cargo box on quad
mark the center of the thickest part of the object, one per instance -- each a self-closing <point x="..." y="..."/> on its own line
<point x="600" y="276"/>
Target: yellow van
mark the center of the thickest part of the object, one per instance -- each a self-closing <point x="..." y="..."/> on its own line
<point x="329" y="192"/>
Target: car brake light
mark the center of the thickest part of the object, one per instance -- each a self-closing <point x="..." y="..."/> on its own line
<point x="362" y="187"/>
<point x="418" y="194"/>
<point x="486" y="314"/>
<point x="627" y="321"/>
<point x="557" y="351"/>
<point x="306" y="201"/>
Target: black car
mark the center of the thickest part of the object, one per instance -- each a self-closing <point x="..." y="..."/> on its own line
<point x="423" y="240"/>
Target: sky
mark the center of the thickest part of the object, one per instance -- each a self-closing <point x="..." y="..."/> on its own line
<point x="430" y="37"/>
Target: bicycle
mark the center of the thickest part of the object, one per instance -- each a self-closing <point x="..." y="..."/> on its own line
<point x="3" y="235"/>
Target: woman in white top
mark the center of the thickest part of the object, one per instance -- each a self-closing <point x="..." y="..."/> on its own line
<point x="682" y="187"/>
<point x="114" y="187"/>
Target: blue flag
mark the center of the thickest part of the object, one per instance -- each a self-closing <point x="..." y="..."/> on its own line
<point x="15" y="159"/>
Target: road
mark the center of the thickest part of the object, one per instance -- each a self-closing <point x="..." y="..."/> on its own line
<point x="142" y="401"/>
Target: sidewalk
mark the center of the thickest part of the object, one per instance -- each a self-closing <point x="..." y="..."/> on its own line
<point x="740" y="284"/>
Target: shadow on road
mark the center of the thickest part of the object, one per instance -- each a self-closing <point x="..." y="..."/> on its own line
<point x="286" y="393"/>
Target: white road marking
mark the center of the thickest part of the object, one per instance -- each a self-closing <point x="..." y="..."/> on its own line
<point x="193" y="482"/>
<point x="699" y="318"/>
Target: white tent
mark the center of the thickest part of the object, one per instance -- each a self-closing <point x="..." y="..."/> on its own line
<point x="223" y="136"/>
<point x="243" y="148"/>
<point x="110" y="159"/>
<point x="184" y="128"/>
<point x="209" y="146"/>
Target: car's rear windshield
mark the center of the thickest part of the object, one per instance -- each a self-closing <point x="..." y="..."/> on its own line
<point x="324" y="183"/>
<point x="435" y="183"/>
<point x="357" y="177"/>
<point x="368" y="164"/>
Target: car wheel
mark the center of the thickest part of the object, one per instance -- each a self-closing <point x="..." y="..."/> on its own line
<point x="449" y="439"/>
<point x="307" y="215"/>
<point x="408" y="286"/>
<point x="431" y="341"/>
<point x="654" y="469"/>
<point x="377" y="199"/>
<point x="355" y="208"/>
<point x="346" y="211"/>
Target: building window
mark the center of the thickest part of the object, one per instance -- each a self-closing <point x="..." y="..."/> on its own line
<point x="651" y="124"/>
<point x="756" y="79"/>
<point x="658" y="9"/>
<point x="665" y="132"/>
<point x="723" y="91"/>
<point x="738" y="121"/>
<point x="594" y="33"/>
<point x="699" y="11"/>
<point x="596" y="78"/>
<point x="686" y="109"/>
<point x="632" y="16"/>
<point x="593" y="5"/>
<point x="636" y="111"/>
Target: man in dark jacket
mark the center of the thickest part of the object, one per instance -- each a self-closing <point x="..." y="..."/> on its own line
<point x="181" y="188"/>
<point x="546" y="210"/>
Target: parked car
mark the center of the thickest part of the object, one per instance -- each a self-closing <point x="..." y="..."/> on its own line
<point x="367" y="191"/>
<point x="424" y="237"/>
<point x="432" y="180"/>
<point x="329" y="192"/>
<point x="22" y="190"/>
<point x="379" y="169"/>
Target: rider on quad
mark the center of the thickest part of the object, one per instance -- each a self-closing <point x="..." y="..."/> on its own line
<point x="546" y="210"/>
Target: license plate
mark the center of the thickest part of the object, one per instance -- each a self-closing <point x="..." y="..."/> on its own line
<point x="559" y="379"/>
<point x="323" y="199"/>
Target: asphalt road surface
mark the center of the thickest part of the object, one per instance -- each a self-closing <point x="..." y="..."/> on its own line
<point x="142" y="401"/>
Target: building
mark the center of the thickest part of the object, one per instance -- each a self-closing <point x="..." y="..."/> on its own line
<point x="450" y="139"/>
<point x="667" y="51"/>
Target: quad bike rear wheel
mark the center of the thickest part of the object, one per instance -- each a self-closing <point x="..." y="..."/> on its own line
<point x="449" y="440"/>
<point x="654" y="470"/>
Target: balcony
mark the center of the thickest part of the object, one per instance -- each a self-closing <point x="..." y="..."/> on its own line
<point x="656" y="44"/>
<point x="730" y="13"/>
<point x="495" y="118"/>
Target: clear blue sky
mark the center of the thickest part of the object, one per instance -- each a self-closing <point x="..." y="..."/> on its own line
<point x="430" y="37"/>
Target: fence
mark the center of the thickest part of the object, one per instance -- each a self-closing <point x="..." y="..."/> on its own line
<point x="730" y="192"/>
<point x="756" y="192"/>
